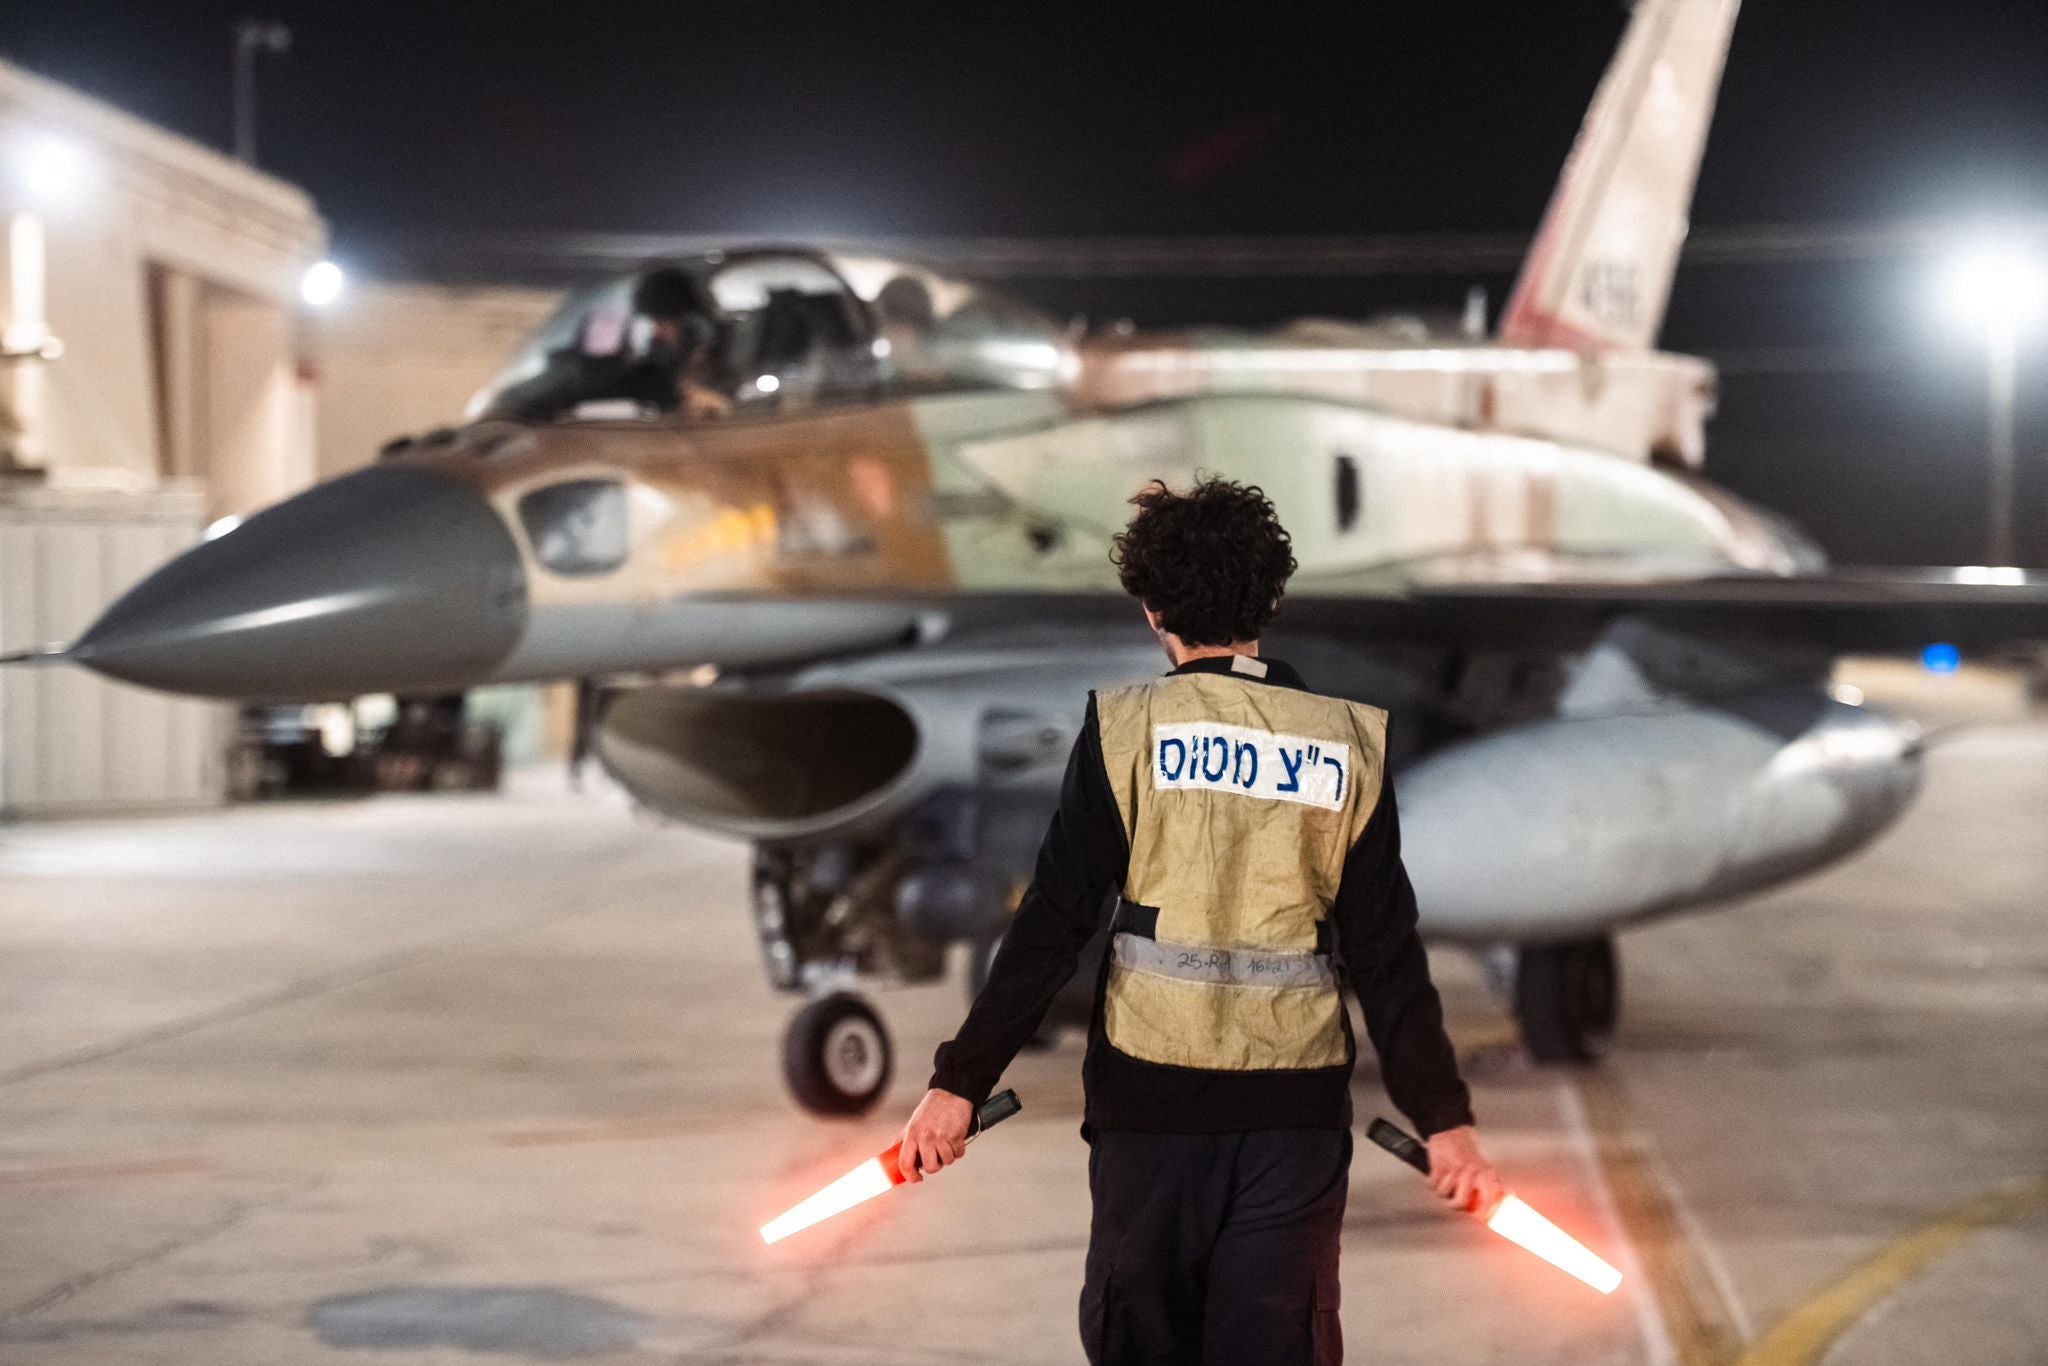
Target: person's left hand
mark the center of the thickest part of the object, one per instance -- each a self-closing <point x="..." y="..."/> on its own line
<point x="1461" y="1174"/>
<point x="935" y="1135"/>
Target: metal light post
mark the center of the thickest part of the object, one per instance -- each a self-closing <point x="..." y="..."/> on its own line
<point x="2000" y="289"/>
<point x="251" y="37"/>
<point x="2002" y="344"/>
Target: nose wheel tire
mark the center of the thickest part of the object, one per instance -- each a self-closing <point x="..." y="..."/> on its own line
<point x="836" y="1056"/>
<point x="1567" y="999"/>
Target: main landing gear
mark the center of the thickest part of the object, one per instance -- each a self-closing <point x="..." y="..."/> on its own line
<point x="1567" y="997"/>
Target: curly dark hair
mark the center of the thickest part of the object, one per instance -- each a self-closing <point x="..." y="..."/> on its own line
<point x="1212" y="562"/>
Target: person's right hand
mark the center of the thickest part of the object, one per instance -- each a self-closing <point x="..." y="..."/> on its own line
<point x="935" y="1135"/>
<point x="1460" y="1173"/>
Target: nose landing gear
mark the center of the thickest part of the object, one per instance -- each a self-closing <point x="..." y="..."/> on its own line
<point x="836" y="1056"/>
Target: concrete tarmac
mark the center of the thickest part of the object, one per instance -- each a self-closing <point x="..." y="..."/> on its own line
<point x="465" y="1080"/>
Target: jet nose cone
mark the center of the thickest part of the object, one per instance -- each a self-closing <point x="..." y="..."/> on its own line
<point x="394" y="578"/>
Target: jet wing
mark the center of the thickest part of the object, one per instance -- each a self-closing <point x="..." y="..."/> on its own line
<point x="1873" y="609"/>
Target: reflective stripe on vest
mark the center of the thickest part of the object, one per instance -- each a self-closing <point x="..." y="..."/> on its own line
<point x="1241" y="800"/>
<point x="1224" y="967"/>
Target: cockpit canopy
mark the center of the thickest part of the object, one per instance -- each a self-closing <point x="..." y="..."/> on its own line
<point x="771" y="331"/>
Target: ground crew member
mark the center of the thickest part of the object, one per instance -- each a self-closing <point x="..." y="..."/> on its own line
<point x="1248" y="828"/>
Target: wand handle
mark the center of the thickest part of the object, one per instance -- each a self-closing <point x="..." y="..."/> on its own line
<point x="1400" y="1143"/>
<point x="994" y="1111"/>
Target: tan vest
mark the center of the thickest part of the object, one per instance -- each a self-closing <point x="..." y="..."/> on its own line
<point x="1241" y="800"/>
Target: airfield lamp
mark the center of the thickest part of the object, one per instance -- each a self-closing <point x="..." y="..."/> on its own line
<point x="1512" y="1218"/>
<point x="876" y="1176"/>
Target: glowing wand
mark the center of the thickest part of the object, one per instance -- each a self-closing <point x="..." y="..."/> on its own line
<point x="1512" y="1219"/>
<point x="876" y="1176"/>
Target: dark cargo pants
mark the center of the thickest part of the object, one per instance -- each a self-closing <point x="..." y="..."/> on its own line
<point x="1215" y="1249"/>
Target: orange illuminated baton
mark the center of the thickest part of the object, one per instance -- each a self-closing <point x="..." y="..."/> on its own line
<point x="1512" y="1219"/>
<point x="874" y="1177"/>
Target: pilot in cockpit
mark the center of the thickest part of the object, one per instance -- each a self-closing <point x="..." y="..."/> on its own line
<point x="672" y="372"/>
<point x="661" y="360"/>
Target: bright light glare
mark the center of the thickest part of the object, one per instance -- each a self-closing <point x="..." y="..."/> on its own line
<point x="864" y="1182"/>
<point x="1990" y="573"/>
<point x="1994" y="284"/>
<point x="321" y="284"/>
<point x="1941" y="658"/>
<point x="767" y="384"/>
<point x="1524" y="1227"/>
<point x="51" y="169"/>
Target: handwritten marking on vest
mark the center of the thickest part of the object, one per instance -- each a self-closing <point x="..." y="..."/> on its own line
<point x="1210" y="756"/>
<point x="1223" y="967"/>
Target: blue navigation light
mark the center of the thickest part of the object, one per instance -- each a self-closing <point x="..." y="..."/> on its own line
<point x="1941" y="659"/>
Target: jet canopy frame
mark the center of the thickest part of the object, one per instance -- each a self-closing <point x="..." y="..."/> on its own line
<point x="778" y="330"/>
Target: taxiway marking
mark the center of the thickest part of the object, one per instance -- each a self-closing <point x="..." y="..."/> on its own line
<point x="1642" y="1300"/>
<point x="1689" y="1298"/>
<point x="92" y="1171"/>
<point x="1710" y="1256"/>
<point x="1804" y="1336"/>
<point x="1474" y="1045"/>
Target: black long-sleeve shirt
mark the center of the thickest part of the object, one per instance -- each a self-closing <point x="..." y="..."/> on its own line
<point x="1084" y="859"/>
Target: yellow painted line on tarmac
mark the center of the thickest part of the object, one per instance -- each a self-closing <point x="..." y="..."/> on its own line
<point x="1696" y="1316"/>
<point x="1498" y="1036"/>
<point x="1803" y="1337"/>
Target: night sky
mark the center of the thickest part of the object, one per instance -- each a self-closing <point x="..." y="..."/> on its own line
<point x="428" y="121"/>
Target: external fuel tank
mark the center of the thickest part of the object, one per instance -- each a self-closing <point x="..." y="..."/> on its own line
<point x="1571" y="825"/>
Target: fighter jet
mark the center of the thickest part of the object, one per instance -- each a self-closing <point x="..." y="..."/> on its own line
<point x="847" y="610"/>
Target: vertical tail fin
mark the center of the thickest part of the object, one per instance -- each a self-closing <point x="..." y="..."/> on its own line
<point x="1599" y="273"/>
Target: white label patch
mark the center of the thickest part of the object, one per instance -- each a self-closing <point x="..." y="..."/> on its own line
<point x="1252" y="763"/>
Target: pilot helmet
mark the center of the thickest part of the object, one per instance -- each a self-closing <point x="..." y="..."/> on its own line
<point x="668" y="294"/>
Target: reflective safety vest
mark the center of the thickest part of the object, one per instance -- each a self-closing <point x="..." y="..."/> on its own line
<point x="1241" y="800"/>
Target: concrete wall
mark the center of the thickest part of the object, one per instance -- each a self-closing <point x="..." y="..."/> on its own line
<point x="397" y="359"/>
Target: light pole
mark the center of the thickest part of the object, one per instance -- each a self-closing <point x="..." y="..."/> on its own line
<point x="2000" y="289"/>
<point x="251" y="37"/>
<point x="2002" y="344"/>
